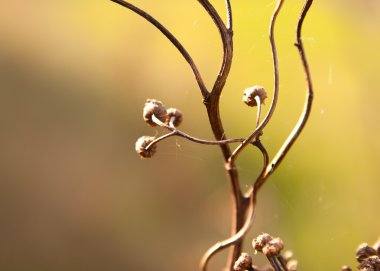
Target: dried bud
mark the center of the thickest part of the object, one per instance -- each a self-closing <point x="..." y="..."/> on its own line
<point x="250" y="94"/>
<point x="346" y="268"/>
<point x="364" y="251"/>
<point x="175" y="116"/>
<point x="292" y="265"/>
<point x="156" y="108"/>
<point x="288" y="255"/>
<point x="376" y="246"/>
<point x="273" y="247"/>
<point x="243" y="263"/>
<point x="372" y="263"/>
<point x="141" y="145"/>
<point x="260" y="241"/>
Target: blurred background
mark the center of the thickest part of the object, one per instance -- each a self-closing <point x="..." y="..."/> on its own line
<point x="74" y="76"/>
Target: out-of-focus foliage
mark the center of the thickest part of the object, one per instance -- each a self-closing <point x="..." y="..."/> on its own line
<point x="74" y="76"/>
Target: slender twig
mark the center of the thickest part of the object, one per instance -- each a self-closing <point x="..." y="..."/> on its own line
<point x="282" y="261"/>
<point x="258" y="101"/>
<point x="304" y="115"/>
<point x="237" y="237"/>
<point x="274" y="263"/>
<point x="158" y="139"/>
<point x="176" y="132"/>
<point x="260" y="179"/>
<point x="259" y="129"/>
<point x="239" y="206"/>
<point x="309" y="96"/>
<point x="173" y="40"/>
<point x="229" y="15"/>
<point x="232" y="240"/>
<point x="226" y="36"/>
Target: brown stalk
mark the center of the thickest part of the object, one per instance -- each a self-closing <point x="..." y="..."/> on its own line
<point x="239" y="203"/>
<point x="172" y="39"/>
<point x="176" y="132"/>
<point x="243" y="205"/>
<point x="309" y="96"/>
<point x="267" y="118"/>
<point x="239" y="235"/>
<point x="305" y="113"/>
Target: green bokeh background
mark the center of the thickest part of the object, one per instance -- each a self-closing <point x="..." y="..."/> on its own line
<point x="74" y="76"/>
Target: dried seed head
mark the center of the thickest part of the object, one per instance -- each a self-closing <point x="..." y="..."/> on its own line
<point x="346" y="268"/>
<point x="250" y="94"/>
<point x="260" y="241"/>
<point x="175" y="115"/>
<point x="364" y="251"/>
<point x="156" y="108"/>
<point x="273" y="247"/>
<point x="292" y="265"/>
<point x="141" y="145"/>
<point x="372" y="263"/>
<point x="243" y="263"/>
<point x="288" y="255"/>
<point x="376" y="246"/>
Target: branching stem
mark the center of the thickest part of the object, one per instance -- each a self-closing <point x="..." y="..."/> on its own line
<point x="175" y="132"/>
<point x="260" y="128"/>
<point x="172" y="39"/>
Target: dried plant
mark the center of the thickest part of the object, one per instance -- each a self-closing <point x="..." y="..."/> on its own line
<point x="244" y="203"/>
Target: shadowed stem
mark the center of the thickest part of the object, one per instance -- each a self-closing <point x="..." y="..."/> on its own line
<point x="172" y="39"/>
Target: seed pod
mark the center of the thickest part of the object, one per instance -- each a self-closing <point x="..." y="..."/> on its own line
<point x="288" y="255"/>
<point x="292" y="265"/>
<point x="176" y="115"/>
<point x="371" y="263"/>
<point x="156" y="108"/>
<point x="273" y="247"/>
<point x="364" y="251"/>
<point x="260" y="241"/>
<point x="244" y="262"/>
<point x="346" y="268"/>
<point x="250" y="94"/>
<point x="376" y="246"/>
<point x="141" y="145"/>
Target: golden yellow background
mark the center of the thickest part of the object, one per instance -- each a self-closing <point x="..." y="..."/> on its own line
<point x="74" y="76"/>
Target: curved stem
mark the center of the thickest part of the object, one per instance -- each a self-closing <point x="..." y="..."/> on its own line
<point x="282" y="261"/>
<point x="237" y="237"/>
<point x="258" y="101"/>
<point x="175" y="132"/>
<point x="172" y="39"/>
<point x="276" y="86"/>
<point x="309" y="96"/>
<point x="305" y="113"/>
<point x="226" y="36"/>
<point x="232" y="240"/>
<point x="159" y="139"/>
<point x="239" y="206"/>
<point x="229" y="15"/>
<point x="274" y="263"/>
